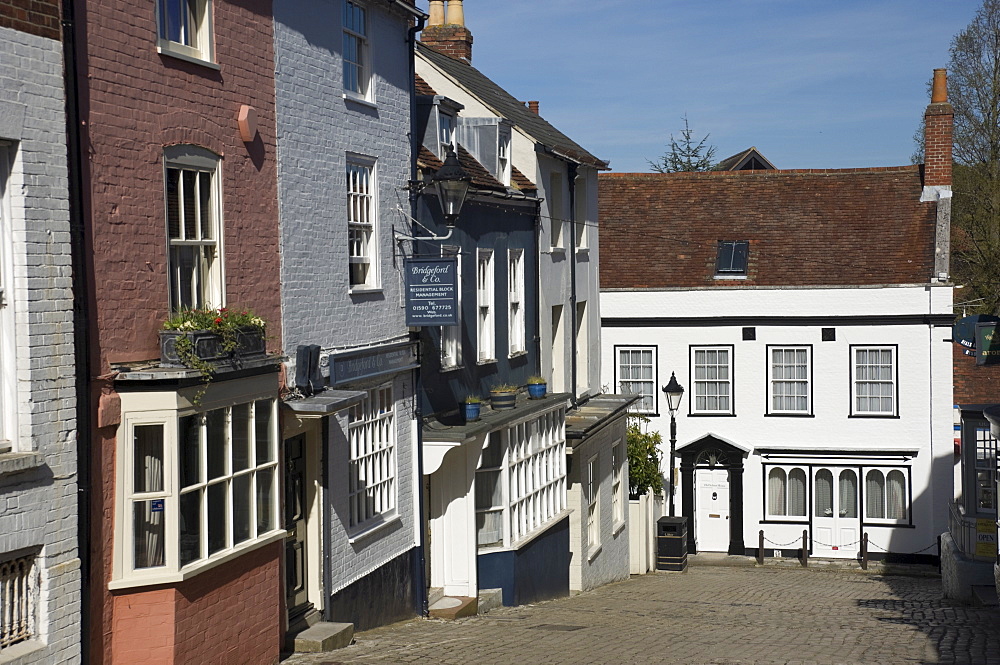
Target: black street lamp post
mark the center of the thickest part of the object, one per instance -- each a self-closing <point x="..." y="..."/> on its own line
<point x="674" y="392"/>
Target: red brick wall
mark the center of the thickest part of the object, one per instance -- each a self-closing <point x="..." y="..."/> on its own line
<point x="229" y="615"/>
<point x="138" y="102"/>
<point x="809" y="228"/>
<point x="938" y="122"/>
<point x="36" y="17"/>
<point x="975" y="384"/>
<point x="452" y="40"/>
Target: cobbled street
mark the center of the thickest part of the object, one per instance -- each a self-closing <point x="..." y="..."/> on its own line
<point x="718" y="615"/>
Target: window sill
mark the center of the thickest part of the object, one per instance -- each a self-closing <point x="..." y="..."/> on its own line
<point x="776" y="519"/>
<point x="364" y="290"/>
<point x="891" y="525"/>
<point x="593" y="555"/>
<point x="737" y="277"/>
<point x="789" y="415"/>
<point x="618" y="528"/>
<point x="557" y="251"/>
<point x="359" y="100"/>
<point x="375" y="528"/>
<point x="193" y="569"/>
<point x="11" y="463"/>
<point x="530" y="537"/>
<point x="889" y="416"/>
<point x="175" y="51"/>
<point x="720" y="414"/>
<point x="518" y="354"/>
<point x="486" y="361"/>
<point x="451" y="368"/>
<point x="583" y="253"/>
<point x="22" y="650"/>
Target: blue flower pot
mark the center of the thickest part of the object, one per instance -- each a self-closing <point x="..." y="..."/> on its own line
<point x="503" y="400"/>
<point x="471" y="411"/>
<point x="536" y="390"/>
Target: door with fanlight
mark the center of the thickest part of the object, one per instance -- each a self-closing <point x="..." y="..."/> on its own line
<point x="712" y="521"/>
<point x="836" y="520"/>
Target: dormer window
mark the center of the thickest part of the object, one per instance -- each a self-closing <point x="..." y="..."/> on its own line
<point x="503" y="160"/>
<point x="446" y="131"/>
<point x="731" y="259"/>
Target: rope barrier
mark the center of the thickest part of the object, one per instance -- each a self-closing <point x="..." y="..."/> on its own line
<point x="798" y="541"/>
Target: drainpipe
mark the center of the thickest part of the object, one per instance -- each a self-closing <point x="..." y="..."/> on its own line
<point x="538" y="286"/>
<point x="419" y="576"/>
<point x="572" y="277"/>
<point x="81" y="336"/>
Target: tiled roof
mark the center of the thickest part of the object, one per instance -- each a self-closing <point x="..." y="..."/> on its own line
<point x="809" y="227"/>
<point x="509" y="107"/>
<point x="518" y="180"/>
<point x="421" y="87"/>
<point x="481" y="177"/>
<point x="731" y="163"/>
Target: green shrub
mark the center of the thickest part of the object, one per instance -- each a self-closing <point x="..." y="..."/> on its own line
<point x="643" y="457"/>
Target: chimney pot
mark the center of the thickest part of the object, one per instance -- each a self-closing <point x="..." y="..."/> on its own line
<point x="456" y="13"/>
<point x="435" y="13"/>
<point x="533" y="106"/>
<point x="939" y="91"/>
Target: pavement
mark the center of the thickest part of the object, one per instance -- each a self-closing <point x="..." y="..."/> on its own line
<point x="715" y="613"/>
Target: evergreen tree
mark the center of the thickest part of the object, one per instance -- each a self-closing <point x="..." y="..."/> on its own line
<point x="685" y="154"/>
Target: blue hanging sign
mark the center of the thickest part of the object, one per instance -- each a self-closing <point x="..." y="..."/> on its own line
<point x="987" y="344"/>
<point x="431" y="287"/>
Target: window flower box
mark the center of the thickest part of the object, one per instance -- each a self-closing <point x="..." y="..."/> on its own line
<point x="211" y="346"/>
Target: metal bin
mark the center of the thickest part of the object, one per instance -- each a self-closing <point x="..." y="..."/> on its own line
<point x="671" y="543"/>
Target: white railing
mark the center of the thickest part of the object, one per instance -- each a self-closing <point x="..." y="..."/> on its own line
<point x="17" y="600"/>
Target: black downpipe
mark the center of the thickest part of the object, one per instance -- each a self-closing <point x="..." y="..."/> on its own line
<point x="419" y="560"/>
<point x="81" y="333"/>
<point x="327" y="563"/>
<point x="572" y="276"/>
<point x="538" y="287"/>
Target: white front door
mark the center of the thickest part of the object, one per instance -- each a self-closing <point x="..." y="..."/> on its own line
<point x="712" y="517"/>
<point x="836" y="521"/>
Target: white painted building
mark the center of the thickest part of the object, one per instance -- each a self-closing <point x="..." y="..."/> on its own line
<point x="807" y="314"/>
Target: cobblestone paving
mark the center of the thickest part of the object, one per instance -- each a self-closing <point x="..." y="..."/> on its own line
<point x="709" y="615"/>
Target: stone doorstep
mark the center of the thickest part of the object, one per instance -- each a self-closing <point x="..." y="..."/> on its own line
<point x="490" y="599"/>
<point x="324" y="636"/>
<point x="454" y="607"/>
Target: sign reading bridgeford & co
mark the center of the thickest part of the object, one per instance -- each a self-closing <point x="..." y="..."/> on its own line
<point x="366" y="363"/>
<point x="431" y="287"/>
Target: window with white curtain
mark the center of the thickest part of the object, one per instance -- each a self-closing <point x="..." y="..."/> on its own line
<point x="873" y="381"/>
<point x="618" y="456"/>
<point x="713" y="380"/>
<point x="485" y="333"/>
<point x="789" y="379"/>
<point x="451" y="336"/>
<point x="521" y="480"/>
<point x="515" y="301"/>
<point x="194" y="486"/>
<point x="637" y="375"/>
<point x="592" y="491"/>
<point x="786" y="492"/>
<point x="886" y="495"/>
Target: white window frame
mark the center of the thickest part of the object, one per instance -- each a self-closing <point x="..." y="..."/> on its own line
<point x="592" y="494"/>
<point x="504" y="157"/>
<point x="778" y="380"/>
<point x="700" y="384"/>
<point x="984" y="471"/>
<point x="515" y="302"/>
<point x="776" y="499"/>
<point x="9" y="441"/>
<point x="362" y="223"/>
<point x="860" y="377"/>
<point x="619" y="456"/>
<point x="451" y="336"/>
<point x="485" y="297"/>
<point x="625" y="369"/>
<point x="195" y="40"/>
<point x="532" y="475"/>
<point x="167" y="409"/>
<point x="207" y="279"/>
<point x="372" y="472"/>
<point x="362" y="69"/>
<point x="867" y="493"/>
<point x="446" y="132"/>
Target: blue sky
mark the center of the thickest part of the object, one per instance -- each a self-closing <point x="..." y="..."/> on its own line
<point x="810" y="83"/>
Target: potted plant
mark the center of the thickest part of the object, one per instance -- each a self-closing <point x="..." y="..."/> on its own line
<point x="536" y="387"/>
<point x="503" y="396"/>
<point x="471" y="407"/>
<point x="201" y="339"/>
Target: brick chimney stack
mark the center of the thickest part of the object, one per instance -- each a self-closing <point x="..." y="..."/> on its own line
<point x="938" y="121"/>
<point x="446" y="32"/>
<point x="533" y="107"/>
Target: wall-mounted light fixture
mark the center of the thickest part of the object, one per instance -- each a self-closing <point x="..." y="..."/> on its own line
<point x="452" y="184"/>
